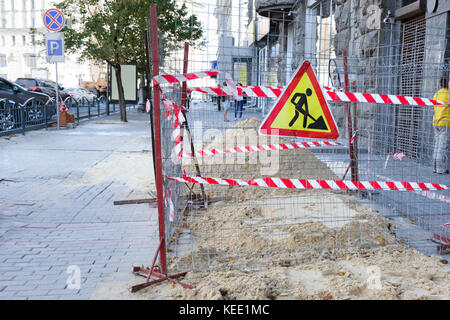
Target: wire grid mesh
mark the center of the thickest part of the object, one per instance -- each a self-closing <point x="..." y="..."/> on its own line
<point x="251" y="227"/>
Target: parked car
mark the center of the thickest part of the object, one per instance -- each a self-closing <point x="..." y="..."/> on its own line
<point x="44" y="86"/>
<point x="61" y="91"/>
<point x="37" y="85"/>
<point x="14" y="92"/>
<point x="81" y="93"/>
<point x="17" y="93"/>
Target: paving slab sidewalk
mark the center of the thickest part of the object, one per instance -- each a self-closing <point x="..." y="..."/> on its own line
<point x="51" y="218"/>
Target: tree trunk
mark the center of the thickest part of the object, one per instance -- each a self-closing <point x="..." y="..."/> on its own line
<point x="122" y="105"/>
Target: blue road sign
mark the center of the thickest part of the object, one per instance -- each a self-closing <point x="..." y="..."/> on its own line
<point x="54" y="20"/>
<point x="55" y="47"/>
<point x="54" y="43"/>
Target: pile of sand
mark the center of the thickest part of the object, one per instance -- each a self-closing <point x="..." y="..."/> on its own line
<point x="260" y="243"/>
<point x="392" y="272"/>
<point x="292" y="163"/>
<point x="252" y="227"/>
<point x="134" y="169"/>
<point x="396" y="273"/>
<point x="285" y="230"/>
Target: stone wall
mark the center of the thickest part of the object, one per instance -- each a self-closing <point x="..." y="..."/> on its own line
<point x="436" y="47"/>
<point x="299" y="13"/>
<point x="359" y="25"/>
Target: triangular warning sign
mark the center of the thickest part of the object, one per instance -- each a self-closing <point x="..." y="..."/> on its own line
<point x="301" y="110"/>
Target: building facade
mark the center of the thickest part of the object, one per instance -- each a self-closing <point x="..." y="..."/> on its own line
<point x="21" y="57"/>
<point x="397" y="47"/>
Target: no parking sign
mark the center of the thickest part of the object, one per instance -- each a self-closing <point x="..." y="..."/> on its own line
<point x="54" y="20"/>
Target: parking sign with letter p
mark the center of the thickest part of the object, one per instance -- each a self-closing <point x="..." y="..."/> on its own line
<point x="54" y="43"/>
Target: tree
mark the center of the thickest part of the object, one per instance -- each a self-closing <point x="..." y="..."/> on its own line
<point x="111" y="31"/>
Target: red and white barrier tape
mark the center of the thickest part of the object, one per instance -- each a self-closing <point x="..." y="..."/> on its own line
<point x="331" y="94"/>
<point x="168" y="78"/>
<point x="316" y="184"/>
<point x="275" y="92"/>
<point x="62" y="106"/>
<point x="398" y="156"/>
<point x="233" y="87"/>
<point x="169" y="203"/>
<point x="174" y="114"/>
<point x="426" y="194"/>
<point x="354" y="136"/>
<point x="265" y="147"/>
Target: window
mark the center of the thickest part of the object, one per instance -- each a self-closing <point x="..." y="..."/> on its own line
<point x="2" y="61"/>
<point x="5" y="87"/>
<point x="3" y="23"/>
<point x="27" y="82"/>
<point x="2" y="5"/>
<point x="32" y="4"/>
<point x="30" y="61"/>
<point x="2" y="43"/>
<point x="24" y="40"/>
<point x="13" y="40"/>
<point x="24" y="5"/>
<point x="12" y="5"/>
<point x="411" y="77"/>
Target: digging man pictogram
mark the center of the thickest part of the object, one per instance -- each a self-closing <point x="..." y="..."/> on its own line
<point x="302" y="107"/>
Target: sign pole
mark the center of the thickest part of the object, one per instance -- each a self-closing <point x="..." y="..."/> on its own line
<point x="57" y="95"/>
<point x="54" y="21"/>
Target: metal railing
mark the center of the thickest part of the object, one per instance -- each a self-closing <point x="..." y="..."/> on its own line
<point x="87" y="108"/>
<point x="35" y="114"/>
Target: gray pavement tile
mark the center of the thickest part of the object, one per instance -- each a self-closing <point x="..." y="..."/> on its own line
<point x="54" y="221"/>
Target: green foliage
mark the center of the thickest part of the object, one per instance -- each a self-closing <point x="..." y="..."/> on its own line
<point x="112" y="30"/>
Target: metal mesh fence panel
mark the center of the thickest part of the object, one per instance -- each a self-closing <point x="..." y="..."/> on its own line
<point x="376" y="78"/>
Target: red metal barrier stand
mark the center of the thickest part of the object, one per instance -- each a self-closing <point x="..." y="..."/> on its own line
<point x="153" y="272"/>
<point x="149" y="94"/>
<point x="161" y="251"/>
<point x="186" y="123"/>
<point x="185" y="69"/>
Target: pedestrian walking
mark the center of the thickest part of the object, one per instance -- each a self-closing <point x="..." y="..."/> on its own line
<point x="226" y="105"/>
<point x="441" y="124"/>
<point x="188" y="101"/>
<point x="238" y="105"/>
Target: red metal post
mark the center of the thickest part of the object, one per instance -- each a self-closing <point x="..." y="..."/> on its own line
<point x="186" y="124"/>
<point x="185" y="70"/>
<point x="158" y="156"/>
<point x="149" y="94"/>
<point x="349" y="119"/>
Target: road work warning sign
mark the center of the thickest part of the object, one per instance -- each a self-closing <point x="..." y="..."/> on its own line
<point x="301" y="110"/>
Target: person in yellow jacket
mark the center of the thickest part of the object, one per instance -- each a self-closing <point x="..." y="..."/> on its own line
<point x="441" y="124"/>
